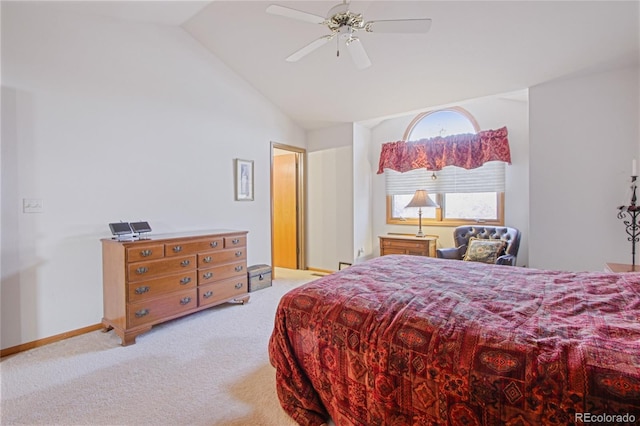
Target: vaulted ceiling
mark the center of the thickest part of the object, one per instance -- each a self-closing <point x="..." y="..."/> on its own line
<point x="473" y="49"/>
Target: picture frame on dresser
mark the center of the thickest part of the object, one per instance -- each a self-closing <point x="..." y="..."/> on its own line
<point x="244" y="180"/>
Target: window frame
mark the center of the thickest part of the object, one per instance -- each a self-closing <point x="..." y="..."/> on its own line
<point x="439" y="220"/>
<point x="459" y="110"/>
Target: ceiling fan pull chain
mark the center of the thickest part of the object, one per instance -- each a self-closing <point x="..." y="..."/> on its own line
<point x="337" y="47"/>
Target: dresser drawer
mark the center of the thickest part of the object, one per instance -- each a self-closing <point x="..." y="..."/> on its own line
<point x="403" y="244"/>
<point x="147" y="252"/>
<point x="222" y="290"/>
<point x="154" y="310"/>
<point x="394" y="250"/>
<point x="406" y="248"/>
<point x="235" y="241"/>
<point x="206" y="276"/>
<point x="148" y="289"/>
<point x="223" y="256"/>
<point x="205" y="260"/>
<point x="194" y="246"/>
<point x="143" y="270"/>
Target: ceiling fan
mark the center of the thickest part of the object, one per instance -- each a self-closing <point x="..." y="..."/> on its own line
<point x="344" y="24"/>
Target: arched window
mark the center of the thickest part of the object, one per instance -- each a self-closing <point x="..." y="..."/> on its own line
<point x="460" y="200"/>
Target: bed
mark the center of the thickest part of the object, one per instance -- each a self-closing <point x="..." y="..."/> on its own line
<point x="410" y="340"/>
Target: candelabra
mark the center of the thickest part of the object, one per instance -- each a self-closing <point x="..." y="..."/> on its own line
<point x="629" y="216"/>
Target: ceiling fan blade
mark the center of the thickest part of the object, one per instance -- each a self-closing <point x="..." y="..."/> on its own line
<point x="287" y="12"/>
<point x="358" y="54"/>
<point x="309" y="48"/>
<point x="399" y="26"/>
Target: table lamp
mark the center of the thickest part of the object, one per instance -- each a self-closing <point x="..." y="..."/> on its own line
<point x="420" y="199"/>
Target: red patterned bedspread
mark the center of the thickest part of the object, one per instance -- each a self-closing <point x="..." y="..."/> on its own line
<point x="409" y="340"/>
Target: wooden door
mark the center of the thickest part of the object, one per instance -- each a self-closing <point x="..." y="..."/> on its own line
<point x="285" y="226"/>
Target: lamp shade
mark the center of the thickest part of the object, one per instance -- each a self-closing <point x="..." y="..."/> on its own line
<point x="421" y="199"/>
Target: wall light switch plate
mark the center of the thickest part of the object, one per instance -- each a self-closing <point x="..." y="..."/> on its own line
<point x="32" y="205"/>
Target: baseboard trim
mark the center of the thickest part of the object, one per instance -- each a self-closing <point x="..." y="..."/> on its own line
<point x="41" y="342"/>
<point x="324" y="271"/>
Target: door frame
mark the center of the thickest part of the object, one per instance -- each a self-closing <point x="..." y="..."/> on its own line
<point x="301" y="201"/>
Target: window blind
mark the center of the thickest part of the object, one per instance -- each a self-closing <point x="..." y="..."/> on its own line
<point x="490" y="177"/>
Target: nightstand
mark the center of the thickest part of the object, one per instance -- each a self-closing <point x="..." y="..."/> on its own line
<point x="408" y="244"/>
<point x="621" y="267"/>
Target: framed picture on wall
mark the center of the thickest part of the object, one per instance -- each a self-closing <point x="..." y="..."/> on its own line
<point x="244" y="180"/>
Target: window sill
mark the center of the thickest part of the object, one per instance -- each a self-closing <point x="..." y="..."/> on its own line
<point x="445" y="223"/>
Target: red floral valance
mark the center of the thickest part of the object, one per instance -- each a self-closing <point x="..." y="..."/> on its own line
<point x="467" y="151"/>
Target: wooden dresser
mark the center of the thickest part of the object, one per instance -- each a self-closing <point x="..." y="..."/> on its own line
<point x="152" y="280"/>
<point x="408" y="244"/>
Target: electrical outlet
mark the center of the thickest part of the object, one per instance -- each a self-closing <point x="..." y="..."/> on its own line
<point x="32" y="205"/>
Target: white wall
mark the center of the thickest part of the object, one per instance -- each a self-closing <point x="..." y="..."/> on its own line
<point x="330" y="197"/>
<point x="107" y="120"/>
<point x="363" y="172"/>
<point x="572" y="141"/>
<point x="330" y="137"/>
<point x="584" y="133"/>
<point x="491" y="113"/>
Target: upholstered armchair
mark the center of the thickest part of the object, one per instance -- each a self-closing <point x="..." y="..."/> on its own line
<point x="489" y="244"/>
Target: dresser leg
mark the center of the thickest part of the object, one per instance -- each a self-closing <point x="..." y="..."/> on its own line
<point x="106" y="326"/>
<point x="128" y="339"/>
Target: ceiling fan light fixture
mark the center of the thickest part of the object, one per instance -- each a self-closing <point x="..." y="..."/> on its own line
<point x="347" y="18"/>
<point x="344" y="33"/>
<point x="344" y="24"/>
<point x="351" y="39"/>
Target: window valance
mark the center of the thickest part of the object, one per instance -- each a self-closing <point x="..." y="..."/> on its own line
<point x="467" y="151"/>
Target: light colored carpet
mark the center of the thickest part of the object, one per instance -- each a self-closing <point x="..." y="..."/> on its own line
<point x="210" y="368"/>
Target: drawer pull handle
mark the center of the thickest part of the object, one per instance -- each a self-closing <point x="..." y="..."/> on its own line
<point x="146" y="253"/>
<point x="238" y="253"/>
<point x="239" y="268"/>
<point x="177" y="249"/>
<point x="214" y="244"/>
<point x="207" y="275"/>
<point x="235" y="241"/>
<point x="142" y="270"/>
<point x="185" y="280"/>
<point x="141" y="313"/>
<point x="207" y="259"/>
<point x="185" y="300"/>
<point x="142" y="290"/>
<point x="208" y="294"/>
<point x="185" y="262"/>
<point x="239" y="285"/>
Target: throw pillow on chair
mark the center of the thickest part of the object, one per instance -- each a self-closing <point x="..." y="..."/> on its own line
<point x="483" y="250"/>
